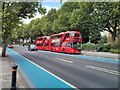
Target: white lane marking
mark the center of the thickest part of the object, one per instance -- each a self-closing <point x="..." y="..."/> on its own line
<point x="104" y="70"/>
<point x="48" y="72"/>
<point x="64" y="60"/>
<point x="117" y="59"/>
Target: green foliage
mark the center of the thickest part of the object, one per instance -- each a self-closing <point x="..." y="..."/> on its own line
<point x="80" y="20"/>
<point x="68" y="7"/>
<point x="103" y="47"/>
<point x="117" y="51"/>
<point x="62" y="21"/>
<point x="13" y="12"/>
<point x="47" y="22"/>
<point x="52" y="15"/>
<point x="86" y="17"/>
<point x="89" y="46"/>
<point x="106" y="17"/>
<point x="116" y="44"/>
<point x="103" y="39"/>
<point x="97" y="47"/>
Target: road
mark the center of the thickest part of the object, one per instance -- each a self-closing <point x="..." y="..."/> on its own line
<point x="80" y="72"/>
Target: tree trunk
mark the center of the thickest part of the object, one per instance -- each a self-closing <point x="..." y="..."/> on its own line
<point x="113" y="33"/>
<point x="113" y="36"/>
<point x="4" y="45"/>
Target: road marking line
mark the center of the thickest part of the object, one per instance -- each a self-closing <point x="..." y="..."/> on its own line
<point x="48" y="72"/>
<point x="104" y="70"/>
<point x="117" y="59"/>
<point x="64" y="60"/>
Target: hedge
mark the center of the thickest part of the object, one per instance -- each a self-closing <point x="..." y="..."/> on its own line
<point x="113" y="48"/>
<point x="89" y="46"/>
<point x="115" y="51"/>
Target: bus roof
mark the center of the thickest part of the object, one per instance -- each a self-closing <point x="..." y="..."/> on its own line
<point x="72" y="32"/>
<point x="38" y="37"/>
<point x="46" y="36"/>
<point x="64" y="33"/>
<point x="56" y="34"/>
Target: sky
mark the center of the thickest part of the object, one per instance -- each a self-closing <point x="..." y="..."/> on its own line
<point x="48" y="6"/>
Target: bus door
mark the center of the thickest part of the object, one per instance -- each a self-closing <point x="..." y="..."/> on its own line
<point x="68" y="47"/>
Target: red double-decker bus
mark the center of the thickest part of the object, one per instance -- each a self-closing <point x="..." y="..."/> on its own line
<point x="39" y="42"/>
<point x="55" y="42"/>
<point x="67" y="42"/>
<point x="46" y="43"/>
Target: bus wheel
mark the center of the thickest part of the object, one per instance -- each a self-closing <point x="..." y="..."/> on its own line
<point x="51" y="50"/>
<point x="63" y="51"/>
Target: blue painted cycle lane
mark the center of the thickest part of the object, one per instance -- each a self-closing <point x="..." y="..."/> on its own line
<point x="93" y="58"/>
<point x="38" y="76"/>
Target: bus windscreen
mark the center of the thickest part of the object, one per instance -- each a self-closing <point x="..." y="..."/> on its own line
<point x="77" y="45"/>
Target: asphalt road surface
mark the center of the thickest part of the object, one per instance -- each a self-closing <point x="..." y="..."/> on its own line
<point x="82" y="73"/>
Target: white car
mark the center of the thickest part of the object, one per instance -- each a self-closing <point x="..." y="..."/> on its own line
<point x="32" y="47"/>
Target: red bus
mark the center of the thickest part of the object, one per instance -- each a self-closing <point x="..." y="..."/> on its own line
<point x="54" y="42"/>
<point x="46" y="43"/>
<point x="39" y="42"/>
<point x="67" y="42"/>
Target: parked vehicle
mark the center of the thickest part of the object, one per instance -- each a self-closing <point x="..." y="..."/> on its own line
<point x="32" y="47"/>
<point x="10" y="46"/>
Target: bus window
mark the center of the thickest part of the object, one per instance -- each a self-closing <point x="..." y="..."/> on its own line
<point x="77" y="45"/>
<point x="47" y="38"/>
<point x="75" y="34"/>
<point x="59" y="36"/>
<point x="55" y="45"/>
<point x="46" y="44"/>
<point x="39" y="44"/>
<point x="67" y="35"/>
<point x="68" y="44"/>
<point x="40" y="39"/>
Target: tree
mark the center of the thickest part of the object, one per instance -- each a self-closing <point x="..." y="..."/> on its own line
<point x="52" y="15"/>
<point x="81" y="20"/>
<point x="12" y="13"/>
<point x="106" y="16"/>
<point x="47" y="22"/>
<point x="46" y="26"/>
<point x="22" y="31"/>
<point x="62" y="22"/>
<point x="35" y="27"/>
<point x="68" y="7"/>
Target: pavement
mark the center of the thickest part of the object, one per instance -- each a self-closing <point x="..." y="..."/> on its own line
<point x="7" y="62"/>
<point x="6" y="73"/>
<point x="101" y="54"/>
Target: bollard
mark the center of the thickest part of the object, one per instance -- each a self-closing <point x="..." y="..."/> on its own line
<point x="14" y="73"/>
